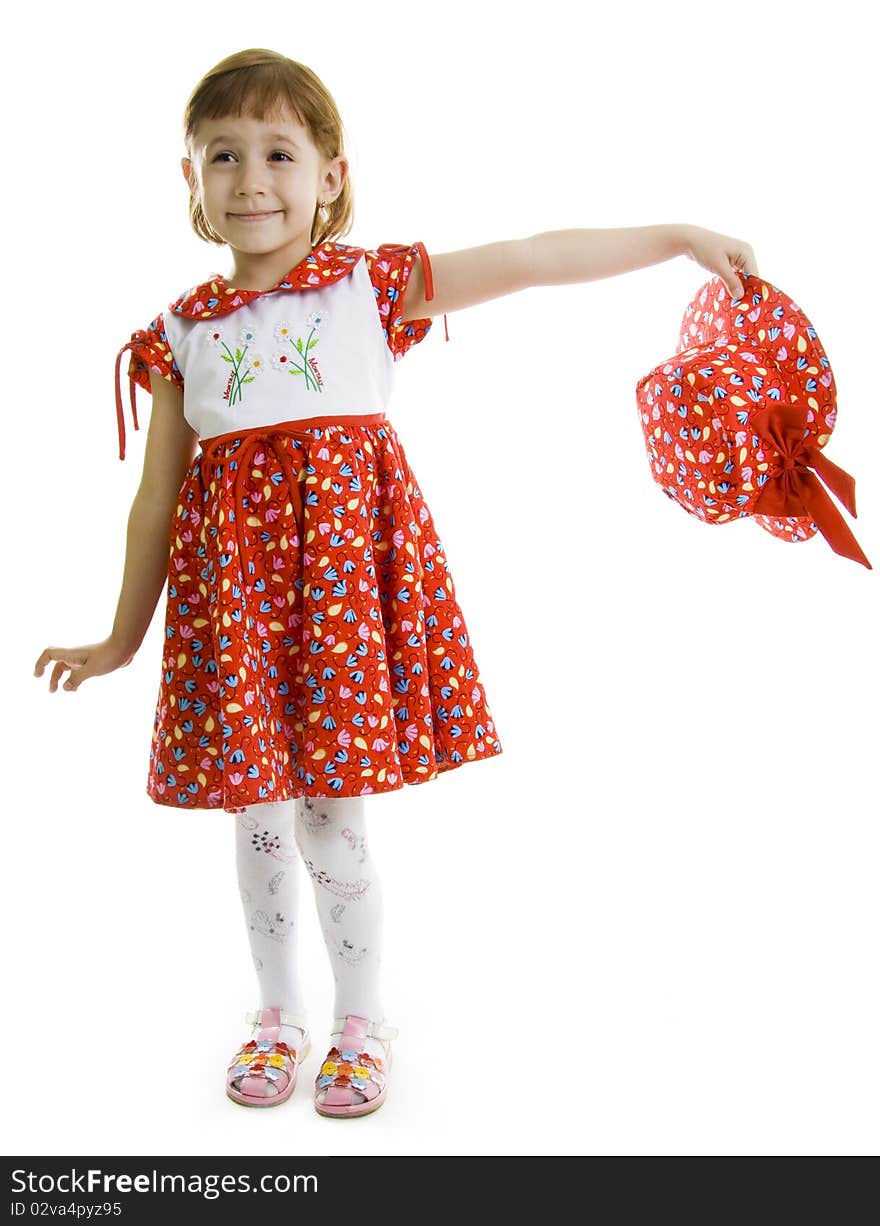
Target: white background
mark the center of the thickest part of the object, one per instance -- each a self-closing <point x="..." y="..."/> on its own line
<point x="650" y="925"/>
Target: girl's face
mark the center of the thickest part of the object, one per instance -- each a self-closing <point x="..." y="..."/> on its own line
<point x="260" y="182"/>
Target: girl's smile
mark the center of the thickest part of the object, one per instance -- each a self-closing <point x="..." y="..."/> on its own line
<point x="254" y="216"/>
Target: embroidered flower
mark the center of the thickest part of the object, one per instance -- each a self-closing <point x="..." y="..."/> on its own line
<point x="328" y="1068"/>
<point x="245" y="365"/>
<point x="295" y="355"/>
<point x="247" y="336"/>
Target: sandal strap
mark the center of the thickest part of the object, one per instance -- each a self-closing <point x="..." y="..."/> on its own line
<point x="256" y="1076"/>
<point x="375" y="1030"/>
<point x="287" y="1019"/>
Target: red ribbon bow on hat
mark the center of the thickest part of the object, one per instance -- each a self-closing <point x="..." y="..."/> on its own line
<point x="796" y="490"/>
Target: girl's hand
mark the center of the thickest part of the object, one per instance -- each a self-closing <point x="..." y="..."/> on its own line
<point x="723" y="255"/>
<point x="90" y="661"/>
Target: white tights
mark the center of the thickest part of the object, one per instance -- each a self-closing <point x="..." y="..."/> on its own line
<point x="331" y="837"/>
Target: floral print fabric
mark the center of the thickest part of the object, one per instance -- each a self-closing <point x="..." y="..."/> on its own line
<point x="330" y="662"/>
<point x="735" y="423"/>
<point x="390" y="267"/>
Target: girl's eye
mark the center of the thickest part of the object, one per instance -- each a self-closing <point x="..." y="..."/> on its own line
<point x="279" y="151"/>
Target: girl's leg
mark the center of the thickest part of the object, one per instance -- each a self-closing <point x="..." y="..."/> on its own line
<point x="268" y="881"/>
<point x="332" y="839"/>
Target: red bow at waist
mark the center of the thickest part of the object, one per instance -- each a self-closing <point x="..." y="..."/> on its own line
<point x="271" y="438"/>
<point x="796" y="490"/>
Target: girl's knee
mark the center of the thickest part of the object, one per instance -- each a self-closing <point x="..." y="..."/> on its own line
<point x="327" y="816"/>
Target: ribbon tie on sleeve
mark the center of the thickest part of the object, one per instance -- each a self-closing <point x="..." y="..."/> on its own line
<point x="429" y="279"/>
<point x="137" y="342"/>
<point x="796" y="490"/>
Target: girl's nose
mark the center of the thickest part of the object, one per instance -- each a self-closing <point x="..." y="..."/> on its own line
<point x="250" y="177"/>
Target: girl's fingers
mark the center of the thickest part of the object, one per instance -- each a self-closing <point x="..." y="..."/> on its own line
<point x="42" y="660"/>
<point x="54" y="676"/>
<point x="75" y="679"/>
<point x="63" y="661"/>
<point x="46" y="657"/>
<point x="745" y="261"/>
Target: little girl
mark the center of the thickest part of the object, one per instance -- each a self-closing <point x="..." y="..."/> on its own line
<point x="315" y="653"/>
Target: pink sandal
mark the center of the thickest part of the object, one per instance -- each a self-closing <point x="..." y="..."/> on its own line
<point x="266" y="1061"/>
<point x="348" y="1071"/>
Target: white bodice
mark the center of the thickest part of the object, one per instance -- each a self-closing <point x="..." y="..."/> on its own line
<point x="285" y="355"/>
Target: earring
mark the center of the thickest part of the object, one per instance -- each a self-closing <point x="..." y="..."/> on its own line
<point x="324" y="210"/>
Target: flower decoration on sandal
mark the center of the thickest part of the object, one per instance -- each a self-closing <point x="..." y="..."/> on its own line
<point x="350" y="1068"/>
<point x="263" y="1071"/>
<point x="255" y="1059"/>
<point x="351" y="1081"/>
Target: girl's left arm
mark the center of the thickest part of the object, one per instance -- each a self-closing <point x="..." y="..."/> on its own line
<point x="560" y="257"/>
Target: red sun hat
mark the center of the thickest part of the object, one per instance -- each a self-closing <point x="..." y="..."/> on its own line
<point x="736" y="420"/>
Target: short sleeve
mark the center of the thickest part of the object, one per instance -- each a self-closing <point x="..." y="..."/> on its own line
<point x="389" y="267"/>
<point x="150" y="351"/>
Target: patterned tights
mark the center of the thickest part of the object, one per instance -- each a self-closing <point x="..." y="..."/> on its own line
<point x="331" y="837"/>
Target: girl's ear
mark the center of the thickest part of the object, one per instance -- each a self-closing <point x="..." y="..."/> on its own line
<point x="335" y="174"/>
<point x="186" y="167"/>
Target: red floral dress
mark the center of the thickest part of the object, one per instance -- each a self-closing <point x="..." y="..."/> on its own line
<point x="314" y="645"/>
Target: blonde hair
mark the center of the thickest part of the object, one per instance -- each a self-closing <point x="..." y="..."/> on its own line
<point x="255" y="83"/>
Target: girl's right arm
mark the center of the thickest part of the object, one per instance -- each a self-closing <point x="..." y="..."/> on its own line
<point x="170" y="450"/>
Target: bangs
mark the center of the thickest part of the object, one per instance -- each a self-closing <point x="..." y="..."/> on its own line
<point x="261" y="92"/>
